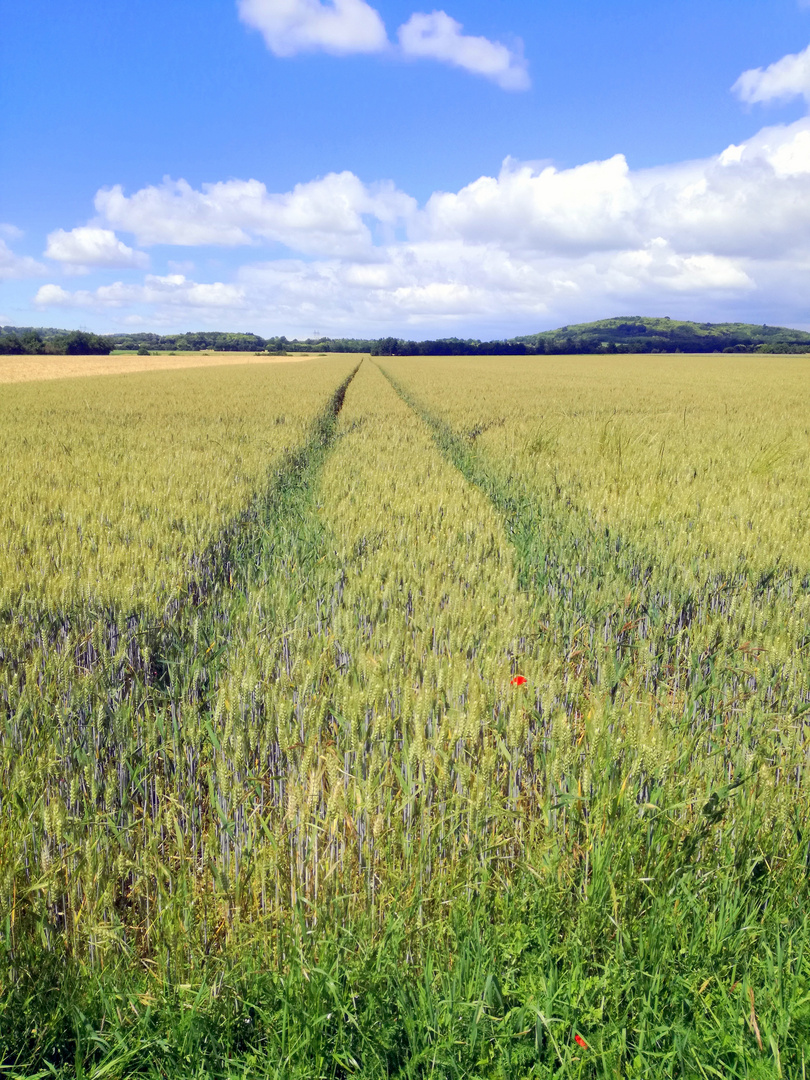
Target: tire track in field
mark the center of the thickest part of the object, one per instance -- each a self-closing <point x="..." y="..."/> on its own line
<point x="557" y="552"/>
<point x="385" y="706"/>
<point x="113" y="748"/>
<point x="620" y="612"/>
<point x="144" y="650"/>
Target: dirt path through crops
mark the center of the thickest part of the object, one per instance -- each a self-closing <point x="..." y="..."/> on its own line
<point x="15" y="369"/>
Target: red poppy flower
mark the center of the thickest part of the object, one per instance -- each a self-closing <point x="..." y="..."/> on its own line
<point x="519" y="680"/>
<point x="581" y="1042"/>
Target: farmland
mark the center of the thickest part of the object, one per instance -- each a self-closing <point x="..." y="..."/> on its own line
<point x="407" y="717"/>
<point x="14" y="369"/>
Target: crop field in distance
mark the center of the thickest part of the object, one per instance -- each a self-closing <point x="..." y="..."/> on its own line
<point x="36" y="368"/>
<point x="406" y="718"/>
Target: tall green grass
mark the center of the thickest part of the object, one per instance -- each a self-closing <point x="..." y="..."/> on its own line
<point x="497" y="985"/>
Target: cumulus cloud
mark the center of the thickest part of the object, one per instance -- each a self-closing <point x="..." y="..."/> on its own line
<point x="173" y="290"/>
<point x="423" y="288"/>
<point x="439" y="286"/>
<point x="16" y="266"/>
<point x="532" y="245"/>
<point x="586" y="208"/>
<point x="53" y="296"/>
<point x="325" y="216"/>
<point x="337" y="26"/>
<point x="751" y="200"/>
<point x="87" y="247"/>
<point x="781" y="81"/>
<point x="659" y="265"/>
<point x="439" y="37"/>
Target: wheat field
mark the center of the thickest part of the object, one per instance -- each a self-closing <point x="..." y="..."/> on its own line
<point x="406" y="718"/>
<point x="15" y="369"/>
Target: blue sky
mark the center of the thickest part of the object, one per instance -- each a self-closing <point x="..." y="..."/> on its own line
<point x="359" y="167"/>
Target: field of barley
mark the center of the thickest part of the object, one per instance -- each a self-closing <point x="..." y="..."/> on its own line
<point x="407" y="718"/>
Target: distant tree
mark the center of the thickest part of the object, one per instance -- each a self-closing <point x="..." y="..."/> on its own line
<point x="10" y="345"/>
<point x="33" y="341"/>
<point x="385" y="347"/>
<point x="80" y="343"/>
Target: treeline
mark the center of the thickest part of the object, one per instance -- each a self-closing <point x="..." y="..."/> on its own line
<point x="36" y="341"/>
<point x="220" y="341"/>
<point x="628" y="334"/>
<point x="197" y="341"/>
<point x="448" y="347"/>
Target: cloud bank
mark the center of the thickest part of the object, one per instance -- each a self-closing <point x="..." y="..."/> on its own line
<point x="343" y="27"/>
<point x="325" y="216"/>
<point x="534" y="245"/>
<point x="173" y="291"/>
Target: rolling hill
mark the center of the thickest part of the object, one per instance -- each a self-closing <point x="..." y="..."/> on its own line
<point x="636" y="333"/>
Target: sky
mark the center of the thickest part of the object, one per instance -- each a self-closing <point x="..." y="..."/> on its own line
<point x="375" y="167"/>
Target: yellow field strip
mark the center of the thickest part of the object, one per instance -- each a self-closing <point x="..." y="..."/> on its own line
<point x="15" y="369"/>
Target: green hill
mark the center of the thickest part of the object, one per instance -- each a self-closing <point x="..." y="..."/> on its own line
<point x="636" y="333"/>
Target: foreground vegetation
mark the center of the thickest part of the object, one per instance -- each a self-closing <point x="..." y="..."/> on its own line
<point x="463" y="734"/>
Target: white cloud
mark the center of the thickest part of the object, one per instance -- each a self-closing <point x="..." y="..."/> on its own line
<point x="421" y="288"/>
<point x="436" y="288"/>
<point x="658" y="264"/>
<point x="88" y="246"/>
<point x="52" y="296"/>
<point x="322" y="217"/>
<point x="781" y="81"/>
<point x="752" y="200"/>
<point x="10" y="232"/>
<point x="173" y="290"/>
<point x="343" y="27"/>
<point x="16" y="266"/>
<point x="581" y="209"/>
<point x="534" y="245"/>
<point x="337" y="26"/>
<point x="438" y="37"/>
